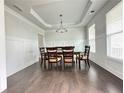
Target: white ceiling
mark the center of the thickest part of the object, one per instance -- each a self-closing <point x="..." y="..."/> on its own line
<point x="45" y="13"/>
<point x="71" y="10"/>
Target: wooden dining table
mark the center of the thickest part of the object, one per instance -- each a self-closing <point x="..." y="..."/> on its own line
<point x="60" y="53"/>
<point x="76" y="53"/>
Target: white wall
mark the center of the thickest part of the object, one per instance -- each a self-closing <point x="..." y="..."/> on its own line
<point x="74" y="37"/>
<point x="21" y="42"/>
<point x="100" y="57"/>
<point x="3" y="82"/>
<point x="40" y="40"/>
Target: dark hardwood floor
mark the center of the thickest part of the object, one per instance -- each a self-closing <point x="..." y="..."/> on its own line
<point x="35" y="79"/>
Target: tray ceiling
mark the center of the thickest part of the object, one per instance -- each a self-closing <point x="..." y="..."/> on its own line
<point x="45" y="13"/>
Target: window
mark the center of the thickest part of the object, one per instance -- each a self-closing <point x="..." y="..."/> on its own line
<point x="92" y="38"/>
<point x="115" y="32"/>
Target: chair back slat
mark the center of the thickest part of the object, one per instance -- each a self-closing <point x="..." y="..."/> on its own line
<point x="68" y="53"/>
<point x="42" y="52"/>
<point x="52" y="53"/>
<point x="87" y="51"/>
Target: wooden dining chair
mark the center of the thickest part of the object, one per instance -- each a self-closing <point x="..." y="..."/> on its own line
<point x="59" y="52"/>
<point x="52" y="56"/>
<point x="44" y="56"/>
<point x="84" y="56"/>
<point x="42" y="53"/>
<point x="68" y="55"/>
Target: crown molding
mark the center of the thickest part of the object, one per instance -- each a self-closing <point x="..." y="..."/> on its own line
<point x="75" y="25"/>
<point x="14" y="13"/>
<point x="45" y="2"/>
<point x="32" y="12"/>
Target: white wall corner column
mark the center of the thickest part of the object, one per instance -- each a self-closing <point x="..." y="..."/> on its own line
<point x="3" y="80"/>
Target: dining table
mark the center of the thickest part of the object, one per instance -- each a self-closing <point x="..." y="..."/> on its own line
<point x="60" y="52"/>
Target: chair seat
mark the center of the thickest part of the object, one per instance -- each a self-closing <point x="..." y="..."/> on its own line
<point x="68" y="60"/>
<point x="82" y="57"/>
<point x="55" y="60"/>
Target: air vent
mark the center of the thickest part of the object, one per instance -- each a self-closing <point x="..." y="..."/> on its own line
<point x="19" y="9"/>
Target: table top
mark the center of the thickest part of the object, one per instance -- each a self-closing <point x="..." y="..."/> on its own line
<point x="59" y="51"/>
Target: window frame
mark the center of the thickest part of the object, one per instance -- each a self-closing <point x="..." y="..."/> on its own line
<point x="111" y="34"/>
<point x="94" y="39"/>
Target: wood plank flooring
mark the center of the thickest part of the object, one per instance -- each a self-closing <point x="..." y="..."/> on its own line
<point x="35" y="79"/>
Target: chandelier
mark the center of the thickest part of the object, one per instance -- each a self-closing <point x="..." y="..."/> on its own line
<point x="61" y="28"/>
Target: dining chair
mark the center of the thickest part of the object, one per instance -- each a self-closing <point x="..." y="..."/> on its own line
<point x="52" y="56"/>
<point x="44" y="56"/>
<point x="59" y="52"/>
<point x="84" y="56"/>
<point x="68" y="55"/>
<point x="42" y="53"/>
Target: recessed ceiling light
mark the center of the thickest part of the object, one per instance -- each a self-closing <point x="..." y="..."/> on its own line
<point x="92" y="11"/>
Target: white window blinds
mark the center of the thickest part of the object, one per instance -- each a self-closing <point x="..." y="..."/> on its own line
<point x="115" y="32"/>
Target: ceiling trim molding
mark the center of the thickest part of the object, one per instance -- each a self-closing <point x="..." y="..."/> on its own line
<point x="85" y="12"/>
<point x="32" y="12"/>
<point x="97" y="13"/>
<point x="47" y="2"/>
<point x="14" y="13"/>
<point x="85" y="15"/>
